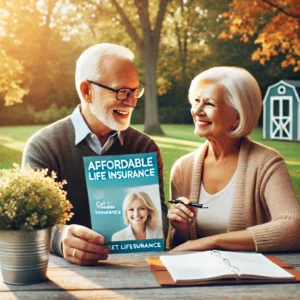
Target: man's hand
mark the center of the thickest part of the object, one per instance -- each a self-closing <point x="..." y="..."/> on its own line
<point x="83" y="246"/>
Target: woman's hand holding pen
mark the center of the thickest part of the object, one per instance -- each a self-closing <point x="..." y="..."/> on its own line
<point x="181" y="216"/>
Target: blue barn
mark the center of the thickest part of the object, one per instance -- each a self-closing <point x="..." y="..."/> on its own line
<point x="281" y="111"/>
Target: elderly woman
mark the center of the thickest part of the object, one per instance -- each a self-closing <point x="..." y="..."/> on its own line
<point x="251" y="202"/>
<point x="141" y="216"/>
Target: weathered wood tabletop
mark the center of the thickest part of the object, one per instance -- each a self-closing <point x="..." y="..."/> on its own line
<point x="128" y="276"/>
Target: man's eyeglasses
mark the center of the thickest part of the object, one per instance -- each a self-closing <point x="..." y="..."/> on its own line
<point x="123" y="93"/>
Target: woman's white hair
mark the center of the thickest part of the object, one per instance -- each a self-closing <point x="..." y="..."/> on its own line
<point x="241" y="92"/>
<point x="88" y="65"/>
<point x="151" y="221"/>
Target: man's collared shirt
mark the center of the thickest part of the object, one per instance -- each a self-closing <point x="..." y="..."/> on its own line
<point x="82" y="132"/>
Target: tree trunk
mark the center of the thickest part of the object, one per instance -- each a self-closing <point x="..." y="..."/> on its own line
<point x="43" y="88"/>
<point x="152" y="125"/>
<point x="147" y="46"/>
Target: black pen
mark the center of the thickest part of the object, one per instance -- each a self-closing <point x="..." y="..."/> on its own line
<point x="191" y="204"/>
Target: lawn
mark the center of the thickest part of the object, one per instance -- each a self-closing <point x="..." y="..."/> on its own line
<point x="179" y="140"/>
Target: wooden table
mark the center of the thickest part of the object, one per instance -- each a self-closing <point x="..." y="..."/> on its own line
<point x="129" y="277"/>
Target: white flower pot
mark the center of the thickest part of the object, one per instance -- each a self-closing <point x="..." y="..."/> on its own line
<point x="24" y="255"/>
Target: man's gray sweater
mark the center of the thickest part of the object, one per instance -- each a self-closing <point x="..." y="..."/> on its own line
<point x="53" y="147"/>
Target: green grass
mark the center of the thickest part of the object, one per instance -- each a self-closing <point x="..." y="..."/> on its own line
<point x="179" y="140"/>
<point x="8" y="157"/>
<point x="19" y="133"/>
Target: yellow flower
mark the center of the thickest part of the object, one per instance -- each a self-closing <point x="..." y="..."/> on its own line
<point x="10" y="209"/>
<point x="30" y="199"/>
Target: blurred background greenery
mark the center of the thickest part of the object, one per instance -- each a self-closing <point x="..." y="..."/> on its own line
<point x="174" y="40"/>
<point x="41" y="40"/>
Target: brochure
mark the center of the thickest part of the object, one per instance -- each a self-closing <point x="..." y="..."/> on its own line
<point x="124" y="201"/>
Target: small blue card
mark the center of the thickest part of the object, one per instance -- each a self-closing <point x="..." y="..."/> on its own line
<point x="124" y="201"/>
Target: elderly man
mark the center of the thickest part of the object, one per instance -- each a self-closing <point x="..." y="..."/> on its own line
<point x="108" y="87"/>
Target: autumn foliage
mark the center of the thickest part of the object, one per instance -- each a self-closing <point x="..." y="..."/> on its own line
<point x="274" y="25"/>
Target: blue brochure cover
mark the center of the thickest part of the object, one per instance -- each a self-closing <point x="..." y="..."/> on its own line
<point x="125" y="201"/>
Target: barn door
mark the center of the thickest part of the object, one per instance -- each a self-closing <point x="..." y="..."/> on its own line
<point x="281" y="117"/>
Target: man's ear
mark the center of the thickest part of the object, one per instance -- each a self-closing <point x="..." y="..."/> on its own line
<point x="85" y="91"/>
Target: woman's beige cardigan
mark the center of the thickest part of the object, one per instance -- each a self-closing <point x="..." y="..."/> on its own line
<point x="265" y="201"/>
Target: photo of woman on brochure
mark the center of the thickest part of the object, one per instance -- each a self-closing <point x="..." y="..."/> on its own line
<point x="141" y="217"/>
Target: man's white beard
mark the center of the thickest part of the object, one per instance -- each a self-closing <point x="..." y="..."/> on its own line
<point x="107" y="118"/>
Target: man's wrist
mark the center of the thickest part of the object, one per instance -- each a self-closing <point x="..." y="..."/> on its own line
<point x="56" y="239"/>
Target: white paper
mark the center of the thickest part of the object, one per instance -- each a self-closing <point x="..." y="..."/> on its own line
<point x="212" y="265"/>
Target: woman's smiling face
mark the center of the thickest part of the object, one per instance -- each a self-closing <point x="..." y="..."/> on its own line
<point x="137" y="212"/>
<point x="212" y="116"/>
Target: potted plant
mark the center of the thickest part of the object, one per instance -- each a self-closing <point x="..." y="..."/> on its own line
<point x="31" y="203"/>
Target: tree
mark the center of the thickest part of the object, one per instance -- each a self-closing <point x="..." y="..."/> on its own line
<point x="147" y="45"/>
<point x="274" y="24"/>
<point x="31" y="39"/>
<point x="189" y="28"/>
<point x="184" y="35"/>
<point x="11" y="73"/>
<point x="142" y="20"/>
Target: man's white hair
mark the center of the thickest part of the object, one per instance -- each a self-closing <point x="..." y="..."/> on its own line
<point x="88" y="64"/>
